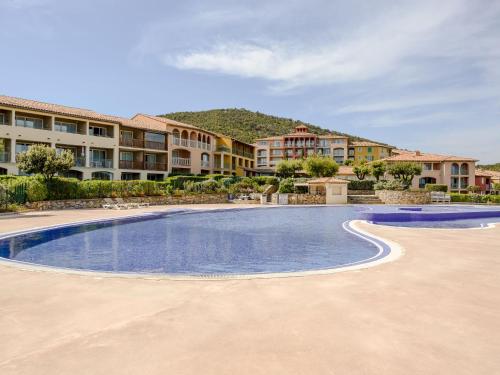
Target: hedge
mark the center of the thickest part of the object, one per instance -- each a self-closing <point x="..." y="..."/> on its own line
<point x="475" y="198"/>
<point x="361" y="185"/>
<point x="436" y="187"/>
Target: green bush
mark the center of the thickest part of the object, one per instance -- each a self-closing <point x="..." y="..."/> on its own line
<point x="361" y="185"/>
<point x="286" y="186"/>
<point x="245" y="185"/>
<point x="436" y="187"/>
<point x="474" y="189"/>
<point x="215" y="177"/>
<point x="475" y="198"/>
<point x="36" y="190"/>
<point x="389" y="185"/>
<point x="271" y="180"/>
<point x="496" y="186"/>
<point x="177" y="182"/>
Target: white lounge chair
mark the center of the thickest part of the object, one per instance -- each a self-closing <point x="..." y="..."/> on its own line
<point x="440" y="197"/>
<point x="113" y="205"/>
<point x="121" y="202"/>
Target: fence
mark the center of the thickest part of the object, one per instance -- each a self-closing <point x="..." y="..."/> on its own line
<point x="12" y="194"/>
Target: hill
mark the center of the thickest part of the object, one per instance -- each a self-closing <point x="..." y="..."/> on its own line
<point x="245" y="125"/>
<point x="490" y="167"/>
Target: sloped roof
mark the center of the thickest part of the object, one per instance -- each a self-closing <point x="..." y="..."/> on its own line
<point x="170" y="122"/>
<point x="368" y="144"/>
<point x="86" y="114"/>
<point x="423" y="157"/>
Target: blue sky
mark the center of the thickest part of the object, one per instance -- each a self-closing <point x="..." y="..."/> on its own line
<point x="417" y="74"/>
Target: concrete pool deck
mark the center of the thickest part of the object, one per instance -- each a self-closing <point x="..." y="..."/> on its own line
<point x="435" y="310"/>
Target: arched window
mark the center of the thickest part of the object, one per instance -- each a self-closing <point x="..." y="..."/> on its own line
<point x="184" y="134"/>
<point x="454" y="168"/>
<point x="464" y="168"/>
<point x="102" y="175"/>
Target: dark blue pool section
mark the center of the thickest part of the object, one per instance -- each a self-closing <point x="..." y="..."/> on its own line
<point x="260" y="240"/>
<point x="395" y="214"/>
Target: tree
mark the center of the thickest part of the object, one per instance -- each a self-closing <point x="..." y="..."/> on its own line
<point x="404" y="172"/>
<point x="288" y="168"/>
<point x="348" y="162"/>
<point x="42" y="159"/>
<point x="362" y="170"/>
<point x="378" y="169"/>
<point x="317" y="166"/>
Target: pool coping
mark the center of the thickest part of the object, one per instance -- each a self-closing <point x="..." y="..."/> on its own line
<point x="393" y="251"/>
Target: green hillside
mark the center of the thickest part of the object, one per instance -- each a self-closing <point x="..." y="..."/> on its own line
<point x="490" y="167"/>
<point x="245" y="125"/>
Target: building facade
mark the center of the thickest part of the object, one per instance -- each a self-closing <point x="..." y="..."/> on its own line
<point x="301" y="143"/>
<point x="111" y="147"/>
<point x="456" y="172"/>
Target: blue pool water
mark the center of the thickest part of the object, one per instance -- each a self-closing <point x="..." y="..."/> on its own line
<point x="223" y="242"/>
<point x="259" y="240"/>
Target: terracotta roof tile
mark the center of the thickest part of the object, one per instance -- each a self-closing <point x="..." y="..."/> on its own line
<point x="423" y="157"/>
<point x="167" y="121"/>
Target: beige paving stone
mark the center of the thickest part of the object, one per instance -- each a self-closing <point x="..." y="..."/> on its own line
<point x="435" y="310"/>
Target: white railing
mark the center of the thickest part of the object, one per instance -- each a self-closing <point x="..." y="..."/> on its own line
<point x="103" y="163"/>
<point x="205" y="163"/>
<point x="181" y="161"/>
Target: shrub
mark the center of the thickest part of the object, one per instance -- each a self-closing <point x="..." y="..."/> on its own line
<point x="288" y="168"/>
<point x="271" y="180"/>
<point x="361" y="185"/>
<point x="436" y="187"/>
<point x="245" y="185"/>
<point x="286" y="186"/>
<point x="378" y="169"/>
<point x="404" y="172"/>
<point x="36" y="190"/>
<point x="496" y="186"/>
<point x="44" y="160"/>
<point x="474" y="188"/>
<point x="389" y="185"/>
<point x="216" y="177"/>
<point x="475" y="198"/>
<point x="362" y="170"/>
<point x="177" y="182"/>
<point x="317" y="166"/>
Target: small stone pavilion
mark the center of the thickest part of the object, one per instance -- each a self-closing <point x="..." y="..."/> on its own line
<point x="334" y="189"/>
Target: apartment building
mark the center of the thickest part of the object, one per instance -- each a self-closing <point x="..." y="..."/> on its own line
<point x="301" y="143"/>
<point x="105" y="146"/>
<point x="369" y="151"/>
<point x="454" y="171"/>
<point x="197" y="151"/>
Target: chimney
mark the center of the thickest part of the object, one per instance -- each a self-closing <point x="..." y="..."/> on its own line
<point x="417" y="153"/>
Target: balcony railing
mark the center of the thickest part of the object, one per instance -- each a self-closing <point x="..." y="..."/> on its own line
<point x="132" y="142"/>
<point x="223" y="149"/>
<point x="103" y="163"/>
<point x="205" y="163"/>
<point x="154" y="166"/>
<point x="131" y="164"/>
<point x="79" y="162"/>
<point x="4" y="157"/>
<point x="181" y="161"/>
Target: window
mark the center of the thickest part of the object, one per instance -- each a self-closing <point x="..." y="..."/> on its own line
<point x="454" y="168"/>
<point x="102" y="176"/>
<point x="324" y="143"/>
<point x="29" y="122"/>
<point x="66" y="127"/>
<point x="98" y="131"/>
<point x="338" y="152"/>
<point x="261" y="153"/>
<point x="427" y="166"/>
<point x="97" y="155"/>
<point x="2" y="119"/>
<point x="276" y="152"/>
<point x="369" y="149"/>
<point x="262" y="143"/>
<point x="369" y="157"/>
<point x="360" y="149"/>
<point x="150" y="158"/>
<point x="155" y="137"/>
<point x="22" y="147"/>
<point x="338" y="141"/>
<point x="126" y="156"/>
<point x="277" y="144"/>
<point x="127" y="134"/>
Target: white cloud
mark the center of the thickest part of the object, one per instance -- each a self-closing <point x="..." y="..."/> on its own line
<point x="358" y="54"/>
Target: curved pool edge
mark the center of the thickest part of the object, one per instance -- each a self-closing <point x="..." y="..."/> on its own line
<point x="388" y="251"/>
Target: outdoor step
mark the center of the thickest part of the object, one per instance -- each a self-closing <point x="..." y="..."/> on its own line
<point x="363" y="199"/>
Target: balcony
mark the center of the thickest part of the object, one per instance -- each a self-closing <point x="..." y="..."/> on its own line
<point x="131" y="164"/>
<point x="4" y="157"/>
<point x="154" y="166"/>
<point x="205" y="163"/>
<point x="132" y="142"/>
<point x="185" y="162"/>
<point x="223" y="149"/>
<point x="79" y="162"/>
<point x="180" y="142"/>
<point x="103" y="163"/>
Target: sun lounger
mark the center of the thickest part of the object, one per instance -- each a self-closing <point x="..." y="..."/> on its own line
<point x="120" y="201"/>
<point x="440" y="197"/>
<point x="113" y="205"/>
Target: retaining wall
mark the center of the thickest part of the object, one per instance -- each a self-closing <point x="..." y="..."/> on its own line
<point x="403" y="197"/>
<point x="154" y="200"/>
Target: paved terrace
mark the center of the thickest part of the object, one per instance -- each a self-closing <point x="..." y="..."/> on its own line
<point x="436" y="310"/>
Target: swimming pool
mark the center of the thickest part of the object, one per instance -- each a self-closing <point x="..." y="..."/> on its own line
<point x="245" y="241"/>
<point x="230" y="242"/>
